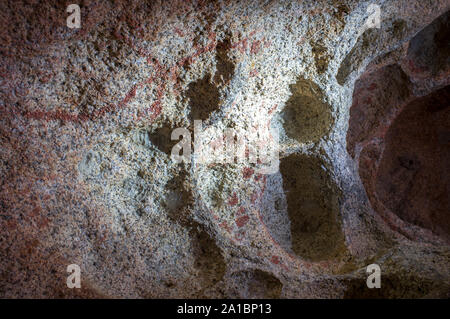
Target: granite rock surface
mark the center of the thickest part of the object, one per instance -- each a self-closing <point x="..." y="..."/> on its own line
<point x="87" y="178"/>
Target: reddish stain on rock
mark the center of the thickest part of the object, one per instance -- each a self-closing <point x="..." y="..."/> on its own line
<point x="225" y="226"/>
<point x="11" y="225"/>
<point x="179" y="32"/>
<point x="273" y="109"/>
<point x="241" y="221"/>
<point x="241" y="210"/>
<point x="256" y="46"/>
<point x="43" y="223"/>
<point x="275" y="260"/>
<point x="258" y="177"/>
<point x="254" y="197"/>
<point x="239" y="236"/>
<point x="233" y="200"/>
<point x="130" y="95"/>
<point x="247" y="172"/>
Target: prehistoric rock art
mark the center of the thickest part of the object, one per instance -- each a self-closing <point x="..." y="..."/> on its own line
<point x="87" y="177"/>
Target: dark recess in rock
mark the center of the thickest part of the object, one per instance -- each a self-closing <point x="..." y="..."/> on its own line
<point x="161" y="138"/>
<point x="203" y="98"/>
<point x="306" y="117"/>
<point x="256" y="283"/>
<point x="224" y="65"/>
<point x="393" y="287"/>
<point x="353" y="60"/>
<point x="313" y="208"/>
<point x="429" y="50"/>
<point x="376" y="96"/>
<point x="412" y="178"/>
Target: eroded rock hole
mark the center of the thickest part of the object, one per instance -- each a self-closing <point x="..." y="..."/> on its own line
<point x="412" y="178"/>
<point x="178" y="200"/>
<point x="376" y="96"/>
<point x="393" y="287"/>
<point x="161" y="138"/>
<point x="306" y="117"/>
<point x="313" y="208"/>
<point x="204" y="98"/>
<point x="402" y="139"/>
<point x="208" y="258"/>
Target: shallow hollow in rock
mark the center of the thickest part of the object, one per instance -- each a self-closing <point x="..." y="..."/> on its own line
<point x="413" y="172"/>
<point x="307" y="118"/>
<point x="256" y="283"/>
<point x="378" y="95"/>
<point x="313" y="208"/>
<point x="204" y="98"/>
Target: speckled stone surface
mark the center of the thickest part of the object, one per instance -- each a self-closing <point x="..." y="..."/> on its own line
<point x="87" y="178"/>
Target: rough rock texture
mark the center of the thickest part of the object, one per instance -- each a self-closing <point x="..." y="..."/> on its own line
<point x="87" y="178"/>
